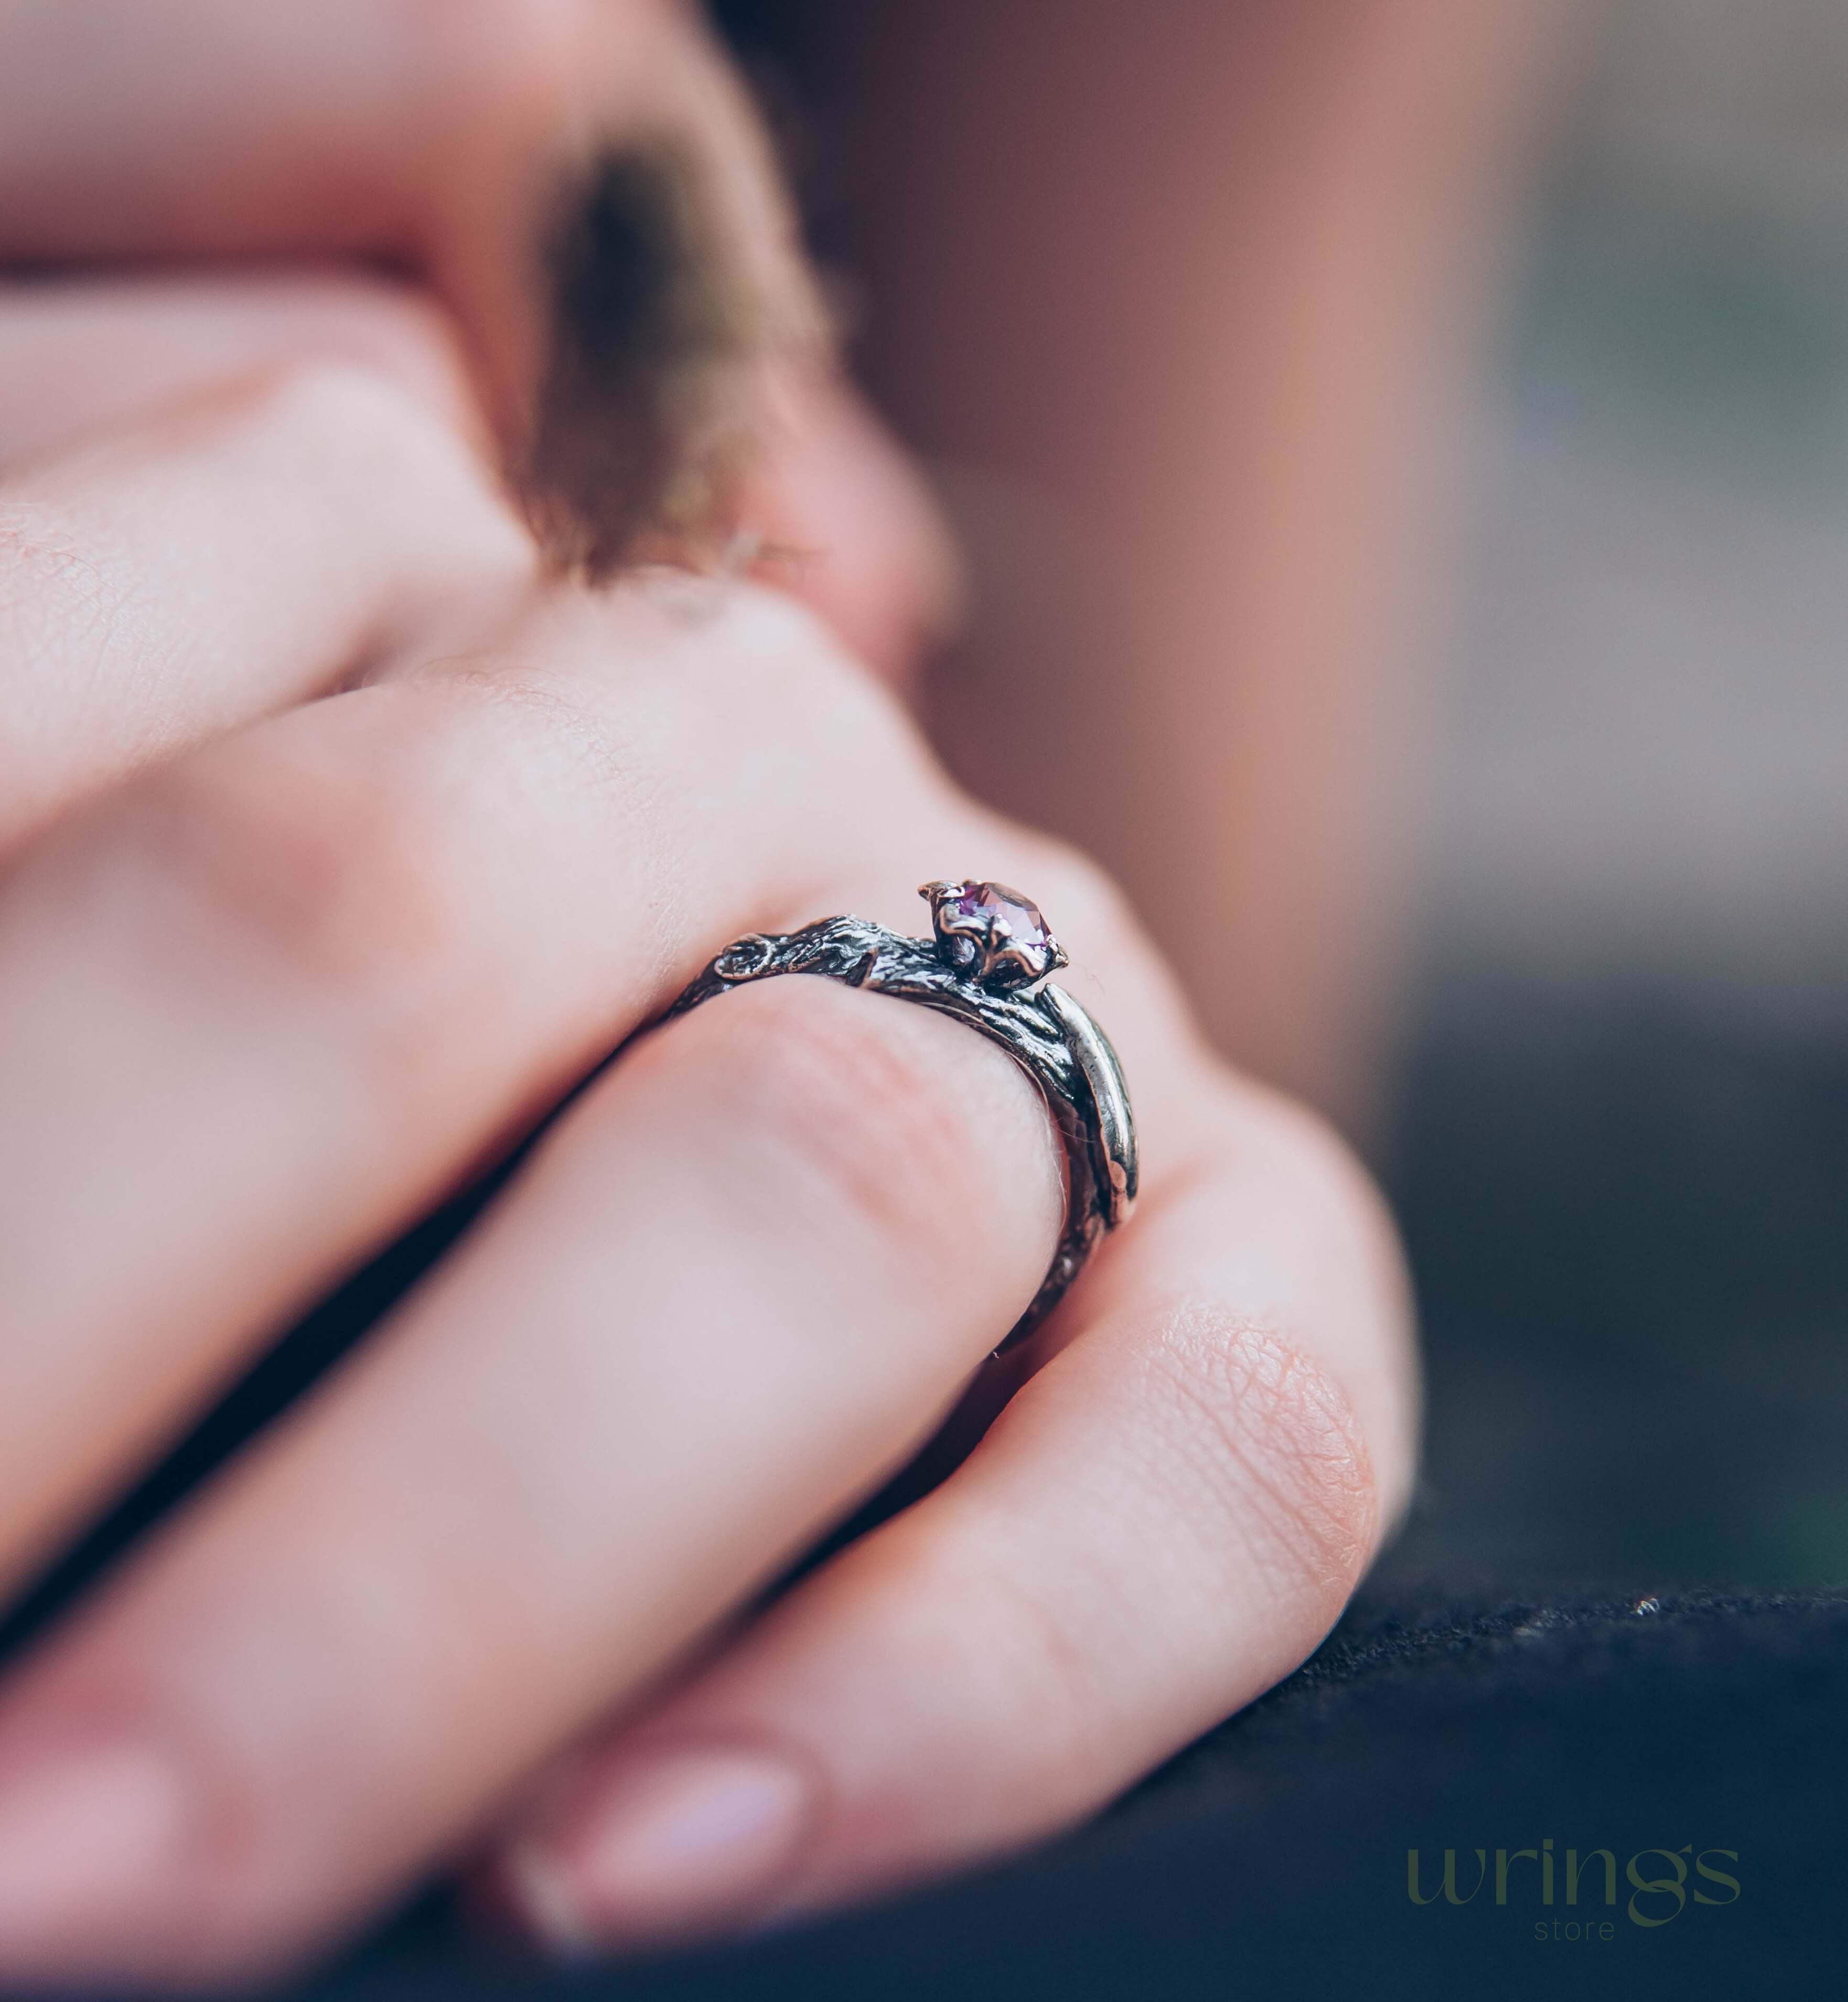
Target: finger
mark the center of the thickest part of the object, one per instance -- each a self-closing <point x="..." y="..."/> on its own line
<point x="229" y="555"/>
<point x="1162" y="1523"/>
<point x="832" y="512"/>
<point x="205" y="128"/>
<point x="450" y="140"/>
<point x="584" y="185"/>
<point x="81" y="356"/>
<point x="732" y="1289"/>
<point x="300" y="981"/>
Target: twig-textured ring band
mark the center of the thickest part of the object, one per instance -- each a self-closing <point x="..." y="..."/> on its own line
<point x="988" y="966"/>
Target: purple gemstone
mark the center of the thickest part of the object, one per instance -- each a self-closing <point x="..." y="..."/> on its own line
<point x="998" y="904"/>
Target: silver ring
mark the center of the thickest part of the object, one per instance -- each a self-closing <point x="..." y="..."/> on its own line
<point x="988" y="965"/>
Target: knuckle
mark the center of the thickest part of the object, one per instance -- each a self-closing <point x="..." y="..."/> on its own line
<point x="325" y="402"/>
<point x="1346" y="1237"/>
<point x="472" y="58"/>
<point x="298" y="866"/>
<point x="1277" y="1442"/>
<point x="371" y="320"/>
<point x="709" y="678"/>
<point x="360" y="321"/>
<point x="695" y="652"/>
<point x="357" y="419"/>
<point x="755" y="647"/>
<point x="751" y="638"/>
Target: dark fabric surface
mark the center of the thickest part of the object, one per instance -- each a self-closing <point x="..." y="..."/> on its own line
<point x="1626" y="1212"/>
<point x="1272" y="1856"/>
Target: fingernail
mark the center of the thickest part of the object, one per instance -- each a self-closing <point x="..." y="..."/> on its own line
<point x="84" y="1837"/>
<point x="680" y="1840"/>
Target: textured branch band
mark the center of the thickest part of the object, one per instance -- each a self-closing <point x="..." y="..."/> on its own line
<point x="1047" y="1033"/>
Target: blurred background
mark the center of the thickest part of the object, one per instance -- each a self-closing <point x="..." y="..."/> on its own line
<point x="1622" y="1140"/>
<point x="1615" y="1119"/>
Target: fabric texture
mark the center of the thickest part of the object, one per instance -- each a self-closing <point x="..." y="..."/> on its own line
<point x="1271" y="1857"/>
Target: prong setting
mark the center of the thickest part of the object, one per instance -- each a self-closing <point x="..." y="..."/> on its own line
<point x="991" y="935"/>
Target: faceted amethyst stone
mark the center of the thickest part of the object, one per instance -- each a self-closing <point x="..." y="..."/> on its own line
<point x="1000" y="905"/>
<point x="992" y="933"/>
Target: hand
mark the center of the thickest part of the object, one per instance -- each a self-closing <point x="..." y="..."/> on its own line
<point x="508" y="156"/>
<point x="263" y="1001"/>
<point x="395" y="843"/>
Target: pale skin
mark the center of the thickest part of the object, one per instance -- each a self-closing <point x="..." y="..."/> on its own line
<point x="339" y="839"/>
